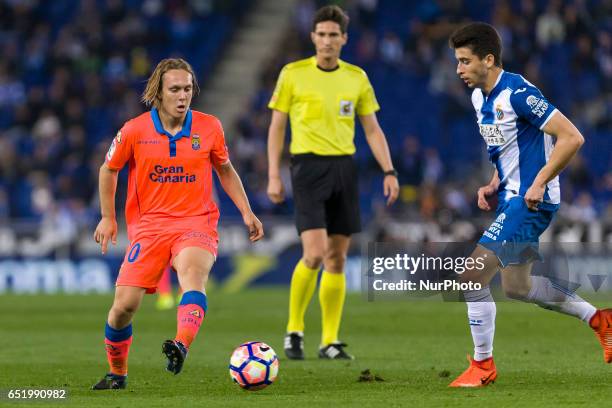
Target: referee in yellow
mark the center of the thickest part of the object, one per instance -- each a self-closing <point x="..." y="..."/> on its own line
<point x="321" y="96"/>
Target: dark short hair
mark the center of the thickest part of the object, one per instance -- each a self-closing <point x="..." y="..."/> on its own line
<point x="331" y="13"/>
<point x="482" y="38"/>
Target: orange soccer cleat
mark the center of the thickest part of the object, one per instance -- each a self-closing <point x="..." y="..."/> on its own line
<point x="478" y="374"/>
<point x="601" y="322"/>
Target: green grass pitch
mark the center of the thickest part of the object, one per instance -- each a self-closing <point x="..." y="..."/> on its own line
<point x="544" y="359"/>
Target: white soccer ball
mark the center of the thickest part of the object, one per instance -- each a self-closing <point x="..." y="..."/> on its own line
<point x="253" y="365"/>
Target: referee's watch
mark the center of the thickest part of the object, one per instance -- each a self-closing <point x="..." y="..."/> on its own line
<point x="391" y="172"/>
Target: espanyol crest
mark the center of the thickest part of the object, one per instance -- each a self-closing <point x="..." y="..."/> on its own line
<point x="499" y="112"/>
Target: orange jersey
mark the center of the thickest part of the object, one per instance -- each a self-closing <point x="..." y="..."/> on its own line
<point x="170" y="176"/>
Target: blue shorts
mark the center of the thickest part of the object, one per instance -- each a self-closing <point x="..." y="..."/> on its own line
<point x="515" y="233"/>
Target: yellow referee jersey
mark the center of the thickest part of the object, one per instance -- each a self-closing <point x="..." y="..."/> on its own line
<point x="322" y="105"/>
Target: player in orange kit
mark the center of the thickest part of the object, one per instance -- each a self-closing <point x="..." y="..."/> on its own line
<point x="170" y="215"/>
<point x="165" y="297"/>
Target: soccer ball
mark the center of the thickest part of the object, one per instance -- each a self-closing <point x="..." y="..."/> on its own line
<point x="253" y="365"/>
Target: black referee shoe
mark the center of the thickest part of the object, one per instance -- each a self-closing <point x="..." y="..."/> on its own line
<point x="294" y="346"/>
<point x="335" y="351"/>
<point x="111" y="382"/>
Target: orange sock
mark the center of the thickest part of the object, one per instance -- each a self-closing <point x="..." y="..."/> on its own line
<point x="189" y="316"/>
<point x="117" y="355"/>
<point x="117" y="344"/>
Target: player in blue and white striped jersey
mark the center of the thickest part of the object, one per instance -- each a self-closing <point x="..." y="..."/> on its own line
<point x="511" y="118"/>
<point x="529" y="142"/>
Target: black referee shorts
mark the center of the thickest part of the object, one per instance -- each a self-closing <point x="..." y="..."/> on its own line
<point x="325" y="193"/>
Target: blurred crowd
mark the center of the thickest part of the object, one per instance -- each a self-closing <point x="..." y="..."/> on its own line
<point x="71" y="73"/>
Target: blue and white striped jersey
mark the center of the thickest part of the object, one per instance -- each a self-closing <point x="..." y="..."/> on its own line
<point x="511" y="119"/>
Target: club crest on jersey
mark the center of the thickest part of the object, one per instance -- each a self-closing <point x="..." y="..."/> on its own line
<point x="346" y="108"/>
<point x="195" y="142"/>
<point x="195" y="313"/>
<point x="499" y="113"/>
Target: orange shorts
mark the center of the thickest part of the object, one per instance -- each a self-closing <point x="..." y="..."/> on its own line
<point x="152" y="249"/>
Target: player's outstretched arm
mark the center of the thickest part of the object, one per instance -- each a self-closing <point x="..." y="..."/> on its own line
<point x="107" y="227"/>
<point x="487" y="191"/>
<point x="276" y="142"/>
<point x="380" y="149"/>
<point x="233" y="187"/>
<point x="569" y="140"/>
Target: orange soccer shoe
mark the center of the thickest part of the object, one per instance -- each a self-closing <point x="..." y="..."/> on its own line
<point x="478" y="374"/>
<point x="601" y="322"/>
